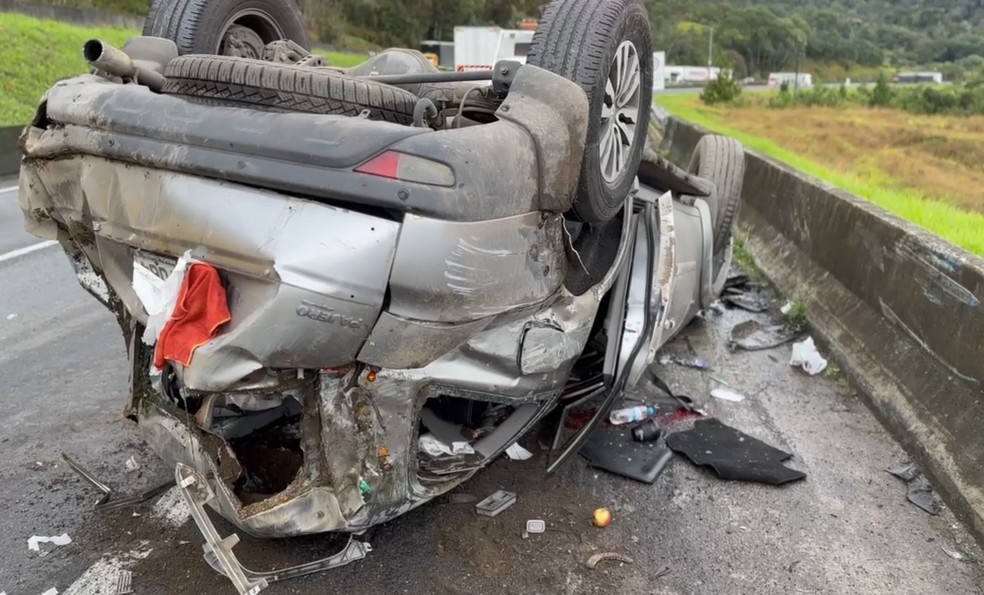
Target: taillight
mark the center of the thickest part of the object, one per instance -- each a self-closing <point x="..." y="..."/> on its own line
<point x="408" y="168"/>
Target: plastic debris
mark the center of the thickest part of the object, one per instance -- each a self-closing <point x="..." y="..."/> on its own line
<point x="953" y="553"/>
<point x="631" y="414"/>
<point x="34" y="543"/>
<point x="11" y="316"/>
<point x="920" y="493"/>
<point x="752" y="335"/>
<point x="51" y="591"/>
<point x="132" y="464"/>
<point x="647" y="431"/>
<point x="518" y="453"/>
<point x="595" y="558"/>
<point x="535" y="526"/>
<point x="719" y="381"/>
<point x="805" y="355"/>
<point x="602" y="517"/>
<point x="727" y="395"/>
<point x="496" y="503"/>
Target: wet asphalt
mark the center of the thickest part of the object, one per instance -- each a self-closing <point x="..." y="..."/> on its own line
<point x="846" y="529"/>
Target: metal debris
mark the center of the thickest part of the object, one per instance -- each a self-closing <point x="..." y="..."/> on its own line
<point x="106" y="501"/>
<point x="595" y="558"/>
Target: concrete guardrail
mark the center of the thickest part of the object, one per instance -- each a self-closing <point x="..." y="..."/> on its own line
<point x="898" y="308"/>
<point x="9" y="151"/>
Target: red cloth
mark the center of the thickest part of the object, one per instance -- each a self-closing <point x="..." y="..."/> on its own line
<point x="199" y="312"/>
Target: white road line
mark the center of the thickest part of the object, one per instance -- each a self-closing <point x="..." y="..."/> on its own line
<point x="26" y="250"/>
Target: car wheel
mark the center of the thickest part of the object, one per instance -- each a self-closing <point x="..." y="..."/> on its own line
<point x="604" y="46"/>
<point x="721" y="160"/>
<point x="226" y="27"/>
<point x="244" y="82"/>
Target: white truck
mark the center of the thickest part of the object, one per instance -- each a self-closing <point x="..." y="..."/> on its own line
<point x="479" y="48"/>
<point x="802" y="79"/>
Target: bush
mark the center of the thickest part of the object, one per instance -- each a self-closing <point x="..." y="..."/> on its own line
<point x="881" y="95"/>
<point x="724" y="89"/>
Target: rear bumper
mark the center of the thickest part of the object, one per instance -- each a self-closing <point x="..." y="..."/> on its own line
<point x="528" y="160"/>
<point x="437" y="291"/>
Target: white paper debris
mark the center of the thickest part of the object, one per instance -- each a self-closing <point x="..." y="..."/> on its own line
<point x="727" y="395"/>
<point x="518" y="453"/>
<point x="132" y="464"/>
<point x="435" y="448"/>
<point x="11" y="316"/>
<point x="51" y="591"/>
<point x="158" y="297"/>
<point x="786" y="308"/>
<point x="805" y="355"/>
<point x="34" y="543"/>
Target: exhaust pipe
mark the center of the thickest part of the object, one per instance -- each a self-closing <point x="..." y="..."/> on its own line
<point x="114" y="61"/>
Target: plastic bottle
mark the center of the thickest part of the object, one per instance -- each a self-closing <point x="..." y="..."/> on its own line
<point x="627" y="416"/>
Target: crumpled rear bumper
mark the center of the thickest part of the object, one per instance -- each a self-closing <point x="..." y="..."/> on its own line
<point x="361" y="315"/>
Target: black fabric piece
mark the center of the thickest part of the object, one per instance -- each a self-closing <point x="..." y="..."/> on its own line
<point x="733" y="455"/>
<point x="615" y="451"/>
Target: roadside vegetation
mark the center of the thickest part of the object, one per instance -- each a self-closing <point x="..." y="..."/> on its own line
<point x="928" y="169"/>
<point x="36" y="53"/>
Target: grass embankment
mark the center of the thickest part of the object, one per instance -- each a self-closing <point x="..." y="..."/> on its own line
<point x="926" y="169"/>
<point x="35" y="53"/>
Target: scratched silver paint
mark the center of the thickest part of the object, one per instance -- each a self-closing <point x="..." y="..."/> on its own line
<point x="471" y="308"/>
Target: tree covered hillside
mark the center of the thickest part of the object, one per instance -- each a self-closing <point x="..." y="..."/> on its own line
<point x="754" y="37"/>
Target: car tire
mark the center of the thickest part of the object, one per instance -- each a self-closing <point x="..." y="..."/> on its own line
<point x="586" y="41"/>
<point x="225" y="27"/>
<point x="721" y="160"/>
<point x="255" y="83"/>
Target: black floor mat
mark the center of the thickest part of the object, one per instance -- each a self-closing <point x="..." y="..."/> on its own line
<point x="732" y="454"/>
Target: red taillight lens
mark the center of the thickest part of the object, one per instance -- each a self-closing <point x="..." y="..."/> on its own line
<point x="408" y="168"/>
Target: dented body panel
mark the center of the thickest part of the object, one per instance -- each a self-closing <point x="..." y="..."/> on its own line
<point x="365" y="311"/>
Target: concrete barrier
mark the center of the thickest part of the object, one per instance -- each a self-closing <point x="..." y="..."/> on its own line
<point x="88" y="17"/>
<point x="897" y="307"/>
<point x="9" y="151"/>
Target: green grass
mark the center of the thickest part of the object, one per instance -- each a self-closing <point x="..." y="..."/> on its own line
<point x="36" y="53"/>
<point x="963" y="228"/>
<point x="342" y="59"/>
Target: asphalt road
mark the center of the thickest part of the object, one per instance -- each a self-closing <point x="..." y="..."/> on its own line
<point x="847" y="529"/>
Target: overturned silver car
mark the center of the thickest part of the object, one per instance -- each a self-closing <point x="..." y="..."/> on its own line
<point x="357" y="262"/>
